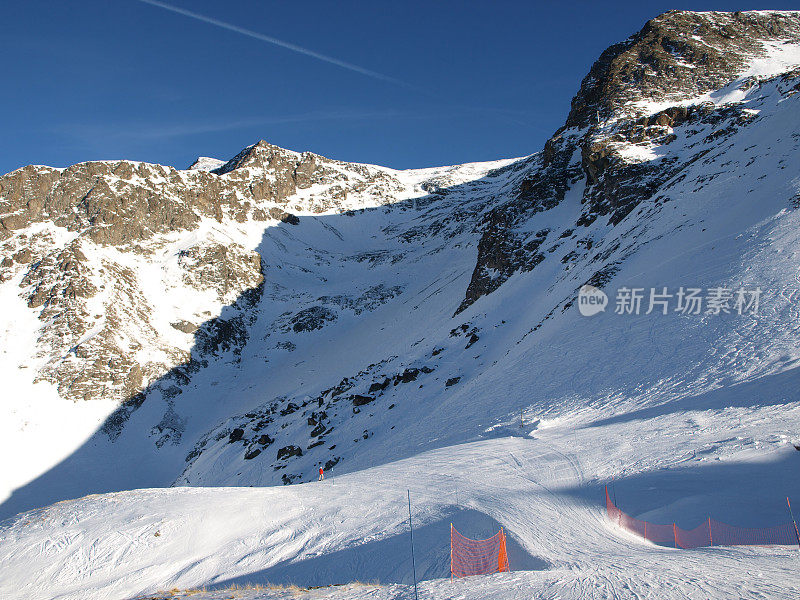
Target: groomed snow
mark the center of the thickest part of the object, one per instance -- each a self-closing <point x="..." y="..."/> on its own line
<point x="541" y="487"/>
<point x="684" y="416"/>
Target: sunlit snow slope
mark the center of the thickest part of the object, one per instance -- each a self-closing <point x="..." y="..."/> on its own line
<point x="420" y="330"/>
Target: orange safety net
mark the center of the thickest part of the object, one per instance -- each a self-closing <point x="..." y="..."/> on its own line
<point x="709" y="533"/>
<point x="477" y="557"/>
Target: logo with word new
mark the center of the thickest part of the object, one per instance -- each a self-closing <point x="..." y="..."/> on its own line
<point x="591" y="300"/>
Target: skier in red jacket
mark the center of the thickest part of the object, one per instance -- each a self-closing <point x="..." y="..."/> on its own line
<point x="321" y="474"/>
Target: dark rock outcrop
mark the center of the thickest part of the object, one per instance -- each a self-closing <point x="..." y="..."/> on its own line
<point x="677" y="56"/>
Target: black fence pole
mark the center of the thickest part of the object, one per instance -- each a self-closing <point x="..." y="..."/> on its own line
<point x="413" y="561"/>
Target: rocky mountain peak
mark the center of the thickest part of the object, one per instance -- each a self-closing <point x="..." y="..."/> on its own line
<point x="678" y="55"/>
<point x="259" y="155"/>
<point x="684" y="72"/>
<point x="272" y="314"/>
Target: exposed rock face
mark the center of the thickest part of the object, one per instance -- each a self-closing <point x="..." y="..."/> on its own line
<point x="312" y="318"/>
<point x="131" y="206"/>
<point x="677" y="57"/>
<point x="122" y="202"/>
<point x="110" y="203"/>
<point x="226" y="270"/>
<point x="142" y="276"/>
<point x="501" y="253"/>
<point x="81" y="243"/>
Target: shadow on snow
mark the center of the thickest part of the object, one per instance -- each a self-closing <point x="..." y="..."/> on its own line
<point x="115" y="458"/>
<point x="389" y="560"/>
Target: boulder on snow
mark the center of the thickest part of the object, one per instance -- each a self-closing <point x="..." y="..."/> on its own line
<point x="289" y="451"/>
<point x="359" y="400"/>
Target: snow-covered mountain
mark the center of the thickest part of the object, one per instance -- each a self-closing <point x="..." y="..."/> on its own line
<point x="243" y="323"/>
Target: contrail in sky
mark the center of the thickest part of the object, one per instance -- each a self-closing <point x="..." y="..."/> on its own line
<point x="499" y="114"/>
<point x="277" y="42"/>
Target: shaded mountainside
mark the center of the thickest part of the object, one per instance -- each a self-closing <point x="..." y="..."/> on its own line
<point x="255" y="319"/>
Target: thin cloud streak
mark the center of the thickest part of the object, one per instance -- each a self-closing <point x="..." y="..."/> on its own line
<point x="146" y="132"/>
<point x="277" y="42"/>
<point x="499" y="113"/>
<point x="208" y="127"/>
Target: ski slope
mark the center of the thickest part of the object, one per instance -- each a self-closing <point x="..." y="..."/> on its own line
<point x="515" y="412"/>
<point x="541" y="485"/>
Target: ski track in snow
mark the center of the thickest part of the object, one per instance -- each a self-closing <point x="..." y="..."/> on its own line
<point x="534" y="487"/>
<point x="684" y="417"/>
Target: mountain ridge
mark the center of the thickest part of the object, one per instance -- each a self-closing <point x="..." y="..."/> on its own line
<point x="155" y="281"/>
<point x="203" y="342"/>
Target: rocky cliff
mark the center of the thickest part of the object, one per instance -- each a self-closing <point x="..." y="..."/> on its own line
<point x="77" y="241"/>
<point x="257" y="318"/>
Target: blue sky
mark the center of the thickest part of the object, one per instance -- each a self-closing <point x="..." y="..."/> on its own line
<point x="404" y="84"/>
